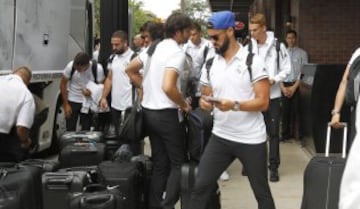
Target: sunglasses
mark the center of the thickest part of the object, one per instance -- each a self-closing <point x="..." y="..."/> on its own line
<point x="215" y="37"/>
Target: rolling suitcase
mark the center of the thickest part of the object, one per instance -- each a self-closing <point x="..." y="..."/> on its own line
<point x="44" y="165"/>
<point x="96" y="196"/>
<point x="71" y="137"/>
<point x="199" y="130"/>
<point x="57" y="186"/>
<point x="20" y="187"/>
<point x="81" y="154"/>
<point x="322" y="177"/>
<point x="127" y="177"/>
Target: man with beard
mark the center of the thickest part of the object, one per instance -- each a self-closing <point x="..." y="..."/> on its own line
<point x="162" y="105"/>
<point x="118" y="82"/>
<point x="236" y="93"/>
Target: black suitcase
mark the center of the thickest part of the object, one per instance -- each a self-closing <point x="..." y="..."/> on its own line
<point x="44" y="165"/>
<point x="322" y="178"/>
<point x="81" y="154"/>
<point x="188" y="174"/>
<point x="9" y="199"/>
<point x="71" y="137"/>
<point x="21" y="187"/>
<point x="57" y="186"/>
<point x="147" y="166"/>
<point x="127" y="177"/>
<point x="96" y="196"/>
<point x="92" y="172"/>
<point x="199" y="130"/>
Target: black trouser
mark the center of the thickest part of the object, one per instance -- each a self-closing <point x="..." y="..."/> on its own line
<point x="167" y="141"/>
<point x="290" y="114"/>
<point x="117" y="117"/>
<point x="218" y="155"/>
<point x="10" y="150"/>
<point x="272" y="122"/>
<point x="85" y="118"/>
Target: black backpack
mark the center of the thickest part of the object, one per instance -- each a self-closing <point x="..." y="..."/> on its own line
<point x="93" y="70"/>
<point x="353" y="84"/>
<point x="277" y="47"/>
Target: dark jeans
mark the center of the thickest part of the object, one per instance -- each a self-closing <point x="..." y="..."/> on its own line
<point x="290" y="114"/>
<point x="272" y="122"/>
<point x="117" y="117"/>
<point x="218" y="155"/>
<point x="85" y="119"/>
<point x="167" y="141"/>
<point x="10" y="150"/>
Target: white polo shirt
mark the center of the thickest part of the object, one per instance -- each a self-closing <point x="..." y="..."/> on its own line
<point x="168" y="54"/>
<point x="79" y="81"/>
<point x="232" y="81"/>
<point x="121" y="85"/>
<point x="17" y="106"/>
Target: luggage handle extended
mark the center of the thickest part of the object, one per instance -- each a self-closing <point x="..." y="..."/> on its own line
<point x="327" y="146"/>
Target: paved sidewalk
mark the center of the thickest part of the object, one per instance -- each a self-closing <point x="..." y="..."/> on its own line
<point x="237" y="194"/>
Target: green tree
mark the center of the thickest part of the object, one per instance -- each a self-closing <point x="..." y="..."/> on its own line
<point x="139" y="16"/>
<point x="97" y="18"/>
<point x="198" y="11"/>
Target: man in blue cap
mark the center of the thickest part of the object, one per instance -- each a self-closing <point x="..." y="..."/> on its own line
<point x="236" y="91"/>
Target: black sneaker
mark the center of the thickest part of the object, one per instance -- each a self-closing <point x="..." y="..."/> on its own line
<point x="274" y="176"/>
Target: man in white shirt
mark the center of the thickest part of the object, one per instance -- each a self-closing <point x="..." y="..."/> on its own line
<point x="17" y="112"/>
<point x="197" y="48"/>
<point x="76" y="76"/>
<point x="162" y="105"/>
<point x="237" y="93"/>
<point x="289" y="88"/>
<point x="118" y="83"/>
<point x="278" y="66"/>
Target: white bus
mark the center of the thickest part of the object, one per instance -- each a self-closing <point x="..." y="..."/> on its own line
<point x="45" y="35"/>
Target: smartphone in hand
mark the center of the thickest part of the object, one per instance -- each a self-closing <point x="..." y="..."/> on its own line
<point x="212" y="99"/>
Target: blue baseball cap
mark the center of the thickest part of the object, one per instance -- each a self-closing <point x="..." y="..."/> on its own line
<point x="221" y="20"/>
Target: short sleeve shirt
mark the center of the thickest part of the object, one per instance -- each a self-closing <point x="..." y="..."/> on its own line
<point x="232" y="81"/>
<point x="121" y="90"/>
<point x="168" y="54"/>
<point x="17" y="108"/>
<point x="79" y="81"/>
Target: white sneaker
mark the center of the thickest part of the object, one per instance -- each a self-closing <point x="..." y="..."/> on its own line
<point x="225" y="176"/>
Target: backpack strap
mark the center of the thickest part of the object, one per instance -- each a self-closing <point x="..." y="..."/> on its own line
<point x="277" y="47"/>
<point x="249" y="60"/>
<point x="94" y="70"/>
<point x="208" y="65"/>
<point x="133" y="56"/>
<point x="72" y="72"/>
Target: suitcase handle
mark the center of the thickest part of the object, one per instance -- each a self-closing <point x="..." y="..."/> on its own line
<point x="328" y="134"/>
<point x="95" y="188"/>
<point x="96" y="200"/>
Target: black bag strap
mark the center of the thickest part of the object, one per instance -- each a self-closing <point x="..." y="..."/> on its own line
<point x="93" y="70"/>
